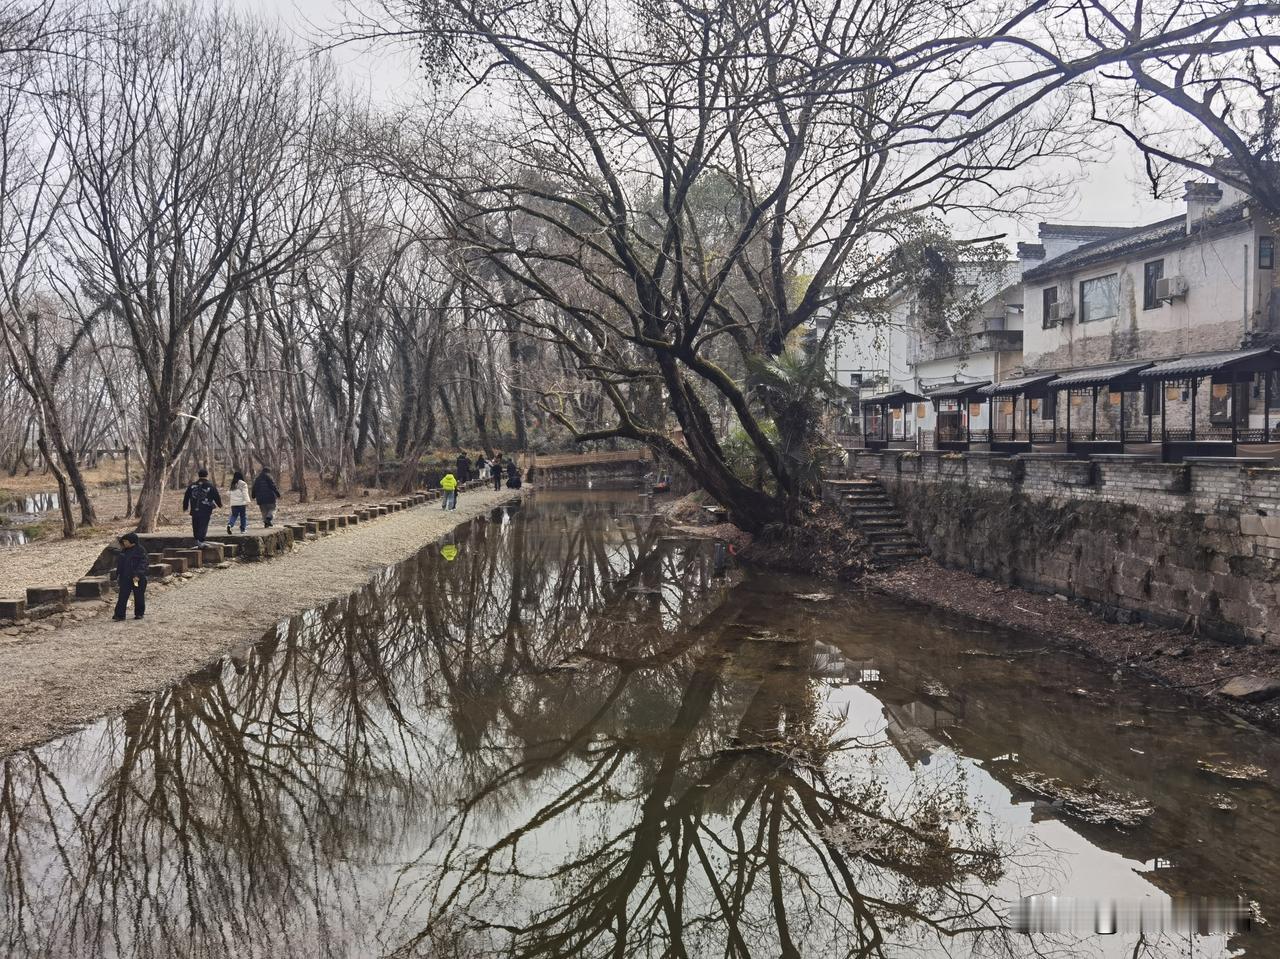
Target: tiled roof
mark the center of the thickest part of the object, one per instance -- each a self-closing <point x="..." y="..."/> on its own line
<point x="892" y="397"/>
<point x="1203" y="363"/>
<point x="951" y="391"/>
<point x="1021" y="384"/>
<point x="1133" y="240"/>
<point x="1097" y="375"/>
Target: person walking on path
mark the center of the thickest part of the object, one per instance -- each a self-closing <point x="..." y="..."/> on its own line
<point x="463" y="464"/>
<point x="266" y="494"/>
<point x="200" y="500"/>
<point x="482" y="467"/>
<point x="238" y="497"/>
<point x="450" y="486"/>
<point x="495" y="471"/>
<point x="513" y="475"/>
<point x="131" y="577"/>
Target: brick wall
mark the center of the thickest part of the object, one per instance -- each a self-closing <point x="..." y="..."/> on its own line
<point x="1195" y="542"/>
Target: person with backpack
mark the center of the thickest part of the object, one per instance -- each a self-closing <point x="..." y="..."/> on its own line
<point x="495" y="472"/>
<point x="131" y="577"/>
<point x="200" y="500"/>
<point x="239" y="500"/>
<point x="450" y="486"/>
<point x="266" y="494"/>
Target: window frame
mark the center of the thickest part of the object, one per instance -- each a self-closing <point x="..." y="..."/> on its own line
<point x="1266" y="253"/>
<point x="1149" y="283"/>
<point x="1082" y="314"/>
<point x="1046" y="301"/>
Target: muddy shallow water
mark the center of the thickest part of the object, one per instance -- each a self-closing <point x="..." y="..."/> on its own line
<point x="567" y="733"/>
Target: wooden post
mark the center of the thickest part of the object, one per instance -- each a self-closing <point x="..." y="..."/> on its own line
<point x="1121" y="419"/>
<point x="1266" y="406"/>
<point x="1068" y="420"/>
<point x="1195" y="388"/>
<point x="1093" y="428"/>
<point x="1235" y="398"/>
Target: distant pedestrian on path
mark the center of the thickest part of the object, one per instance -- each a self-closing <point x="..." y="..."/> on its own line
<point x="495" y="471"/>
<point x="200" y="500"/>
<point x="238" y="497"/>
<point x="463" y="465"/>
<point x="266" y="494"/>
<point x="513" y="475"/>
<point x="131" y="577"/>
<point x="450" y="486"/>
<point x="482" y="467"/>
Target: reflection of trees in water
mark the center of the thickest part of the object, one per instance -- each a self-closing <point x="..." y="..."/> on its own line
<point x="740" y="844"/>
<point x="391" y="762"/>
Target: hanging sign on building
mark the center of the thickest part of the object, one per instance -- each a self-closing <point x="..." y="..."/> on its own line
<point x="922" y="410"/>
<point x="975" y="409"/>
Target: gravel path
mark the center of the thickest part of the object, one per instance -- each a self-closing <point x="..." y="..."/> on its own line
<point x="57" y="677"/>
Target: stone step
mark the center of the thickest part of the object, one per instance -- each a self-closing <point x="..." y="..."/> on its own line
<point x="211" y="554"/>
<point x="889" y="534"/>
<point x="881" y="522"/>
<point x="93" y="587"/>
<point x="46" y="596"/>
<point x="899" y="552"/>
<point x="13" y="609"/>
<point x="193" y="555"/>
<point x="159" y="570"/>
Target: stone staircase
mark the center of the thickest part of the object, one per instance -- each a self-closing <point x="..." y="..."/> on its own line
<point x="870" y="509"/>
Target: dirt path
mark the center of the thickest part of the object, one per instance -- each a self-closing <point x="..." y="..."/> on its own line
<point x="52" y="561"/>
<point x="55" y="678"/>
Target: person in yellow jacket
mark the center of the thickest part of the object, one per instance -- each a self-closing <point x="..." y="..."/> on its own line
<point x="450" y="486"/>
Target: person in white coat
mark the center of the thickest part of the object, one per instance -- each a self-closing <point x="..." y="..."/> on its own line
<point x="239" y="502"/>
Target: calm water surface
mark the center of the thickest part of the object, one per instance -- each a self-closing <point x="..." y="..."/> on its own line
<point x="567" y="733"/>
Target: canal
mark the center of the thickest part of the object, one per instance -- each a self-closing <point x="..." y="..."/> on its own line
<point x="565" y="732"/>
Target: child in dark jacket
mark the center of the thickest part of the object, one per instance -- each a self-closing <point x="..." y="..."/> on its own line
<point x="131" y="576"/>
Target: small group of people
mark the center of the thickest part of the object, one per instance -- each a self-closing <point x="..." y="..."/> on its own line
<point x="495" y="469"/>
<point x="202" y="498"/>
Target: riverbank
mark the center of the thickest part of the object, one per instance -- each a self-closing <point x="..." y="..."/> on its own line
<point x="1195" y="666"/>
<point x="55" y="678"/>
<point x="1192" y="665"/>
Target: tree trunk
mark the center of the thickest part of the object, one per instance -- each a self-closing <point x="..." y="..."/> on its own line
<point x="64" y="497"/>
<point x="155" y="466"/>
<point x="446" y="408"/>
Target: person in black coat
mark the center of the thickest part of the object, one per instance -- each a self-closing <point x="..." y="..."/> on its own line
<point x="266" y="494"/>
<point x="513" y="475"/>
<point x="462" y="470"/>
<point x="200" y="500"/>
<point x="495" y="471"/>
<point x="131" y="577"/>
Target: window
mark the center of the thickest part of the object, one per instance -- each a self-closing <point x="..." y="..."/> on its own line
<point x="1266" y="253"/>
<point x="1100" y="298"/>
<point x="1152" y="273"/>
<point x="1049" y="298"/>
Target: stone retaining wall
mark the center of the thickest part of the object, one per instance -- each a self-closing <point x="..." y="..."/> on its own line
<point x="1195" y="542"/>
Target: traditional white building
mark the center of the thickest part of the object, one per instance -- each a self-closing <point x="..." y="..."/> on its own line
<point x="1201" y="281"/>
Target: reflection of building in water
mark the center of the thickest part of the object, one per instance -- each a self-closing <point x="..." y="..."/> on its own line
<point x="911" y="727"/>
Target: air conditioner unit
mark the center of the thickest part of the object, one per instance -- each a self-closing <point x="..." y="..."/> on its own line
<point x="1171" y="287"/>
<point x="1062" y="310"/>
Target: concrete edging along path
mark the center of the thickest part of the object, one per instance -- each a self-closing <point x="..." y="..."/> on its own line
<point x="55" y="678"/>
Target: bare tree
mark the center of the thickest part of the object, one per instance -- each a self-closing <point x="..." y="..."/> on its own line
<point x="191" y="135"/>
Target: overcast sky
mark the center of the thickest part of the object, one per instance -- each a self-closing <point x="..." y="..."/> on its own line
<point x="1112" y="193"/>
